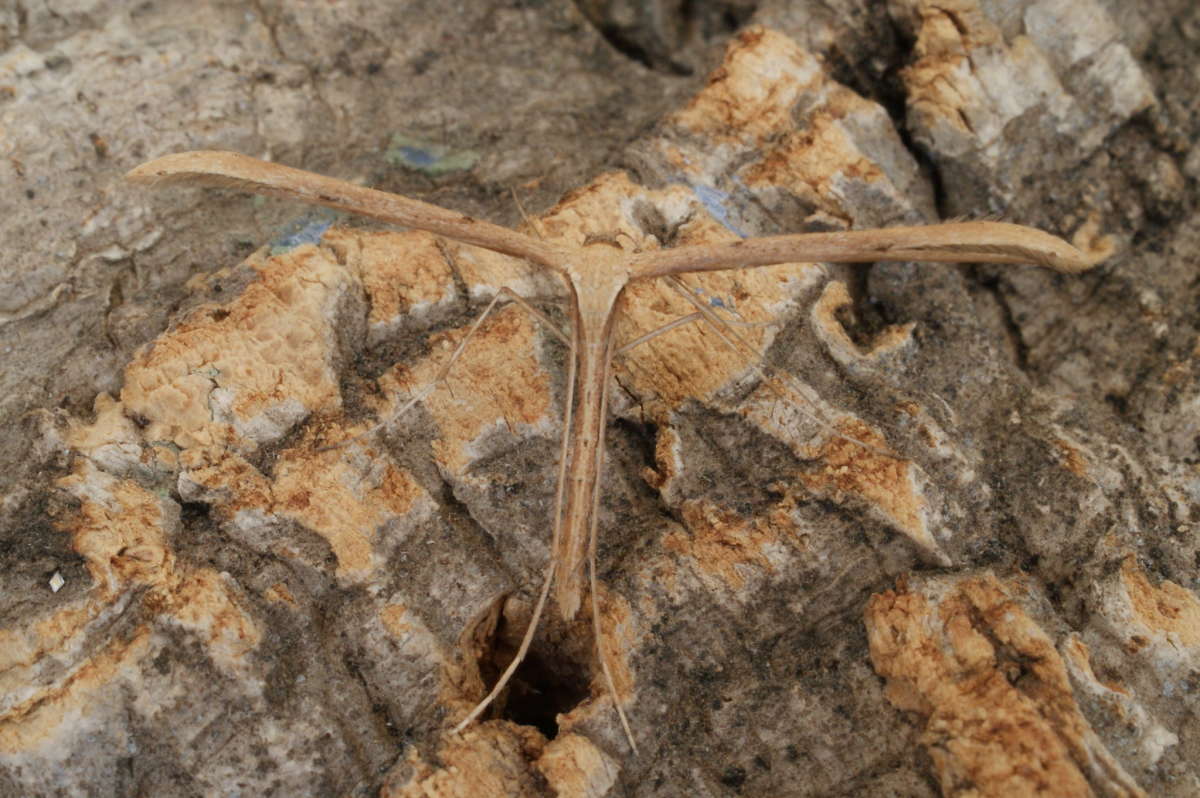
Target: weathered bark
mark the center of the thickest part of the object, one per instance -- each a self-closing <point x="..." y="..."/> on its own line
<point x="1007" y="606"/>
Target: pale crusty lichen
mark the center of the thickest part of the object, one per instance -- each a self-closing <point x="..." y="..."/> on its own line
<point x="47" y="672"/>
<point x="501" y="758"/>
<point x="1169" y="612"/>
<point x="497" y="381"/>
<point x="406" y="275"/>
<point x="489" y="759"/>
<point x="241" y="374"/>
<point x="720" y="543"/>
<point x="995" y="697"/>
<point x="746" y="118"/>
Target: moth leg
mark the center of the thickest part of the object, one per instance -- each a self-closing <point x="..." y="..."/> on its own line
<point x="559" y="504"/>
<point x="526" y="641"/>
<point x="601" y="653"/>
<point x="681" y="321"/>
<point x="736" y="342"/>
<point x="440" y="377"/>
<point x="671" y="325"/>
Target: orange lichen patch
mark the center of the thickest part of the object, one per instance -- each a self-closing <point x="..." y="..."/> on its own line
<point x="888" y="484"/>
<point x="253" y="366"/>
<point x="667" y="461"/>
<point x="491" y="759"/>
<point x="858" y="464"/>
<point x="1169" y="609"/>
<point x="752" y="94"/>
<point x="940" y="82"/>
<point x="401" y="272"/>
<point x="232" y="481"/>
<point x="1000" y="716"/>
<point x="1077" y="655"/>
<point x="329" y="494"/>
<point x="111" y="427"/>
<point x="22" y="646"/>
<point x="811" y="163"/>
<point x="1071" y="458"/>
<point x="605" y="212"/>
<point x="833" y="298"/>
<point x="201" y="602"/>
<point x="485" y="272"/>
<point x="36" y="722"/>
<point x="396" y="619"/>
<point x="695" y="361"/>
<point x="721" y="543"/>
<point x="749" y="106"/>
<point x="119" y="531"/>
<point x="334" y="493"/>
<point x="573" y="766"/>
<point x="279" y="592"/>
<point x="497" y="380"/>
<point x="951" y="27"/>
<point x="601" y="211"/>
<point x="1088" y="239"/>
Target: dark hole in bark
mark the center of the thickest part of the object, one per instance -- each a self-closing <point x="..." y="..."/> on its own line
<point x="548" y="683"/>
<point x="543" y="688"/>
<point x="862" y="319"/>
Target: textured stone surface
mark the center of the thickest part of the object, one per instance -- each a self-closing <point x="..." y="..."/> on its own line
<point x="940" y="539"/>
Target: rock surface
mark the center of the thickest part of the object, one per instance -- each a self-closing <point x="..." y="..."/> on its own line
<point x="940" y="538"/>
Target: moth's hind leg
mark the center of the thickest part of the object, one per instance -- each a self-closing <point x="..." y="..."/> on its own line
<point x="548" y="577"/>
<point x="440" y="378"/>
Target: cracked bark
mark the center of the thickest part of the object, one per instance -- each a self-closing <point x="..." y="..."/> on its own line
<point x="758" y="588"/>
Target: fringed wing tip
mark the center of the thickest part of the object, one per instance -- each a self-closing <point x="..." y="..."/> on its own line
<point x="1072" y="260"/>
<point x="200" y="166"/>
